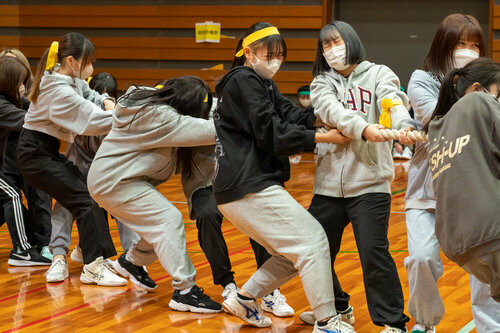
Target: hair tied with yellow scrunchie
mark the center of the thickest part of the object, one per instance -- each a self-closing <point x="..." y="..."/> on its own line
<point x="52" y="56"/>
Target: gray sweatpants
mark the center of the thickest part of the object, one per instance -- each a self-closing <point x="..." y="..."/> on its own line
<point x="62" y="223"/>
<point x="162" y="235"/>
<point x="424" y="268"/>
<point x="295" y="240"/>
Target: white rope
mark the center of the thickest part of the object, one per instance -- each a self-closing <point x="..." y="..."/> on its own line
<point x="392" y="134"/>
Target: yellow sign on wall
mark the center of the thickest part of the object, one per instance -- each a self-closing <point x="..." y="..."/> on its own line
<point x="207" y="32"/>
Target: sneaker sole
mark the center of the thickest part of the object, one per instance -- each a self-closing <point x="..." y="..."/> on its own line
<point x="278" y="315"/>
<point x="306" y="322"/>
<point x="228" y="309"/>
<point x="185" y="308"/>
<point x="25" y="263"/>
<point x="87" y="280"/>
<point x="123" y="272"/>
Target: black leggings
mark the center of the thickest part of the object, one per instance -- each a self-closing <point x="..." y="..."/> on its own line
<point x="42" y="165"/>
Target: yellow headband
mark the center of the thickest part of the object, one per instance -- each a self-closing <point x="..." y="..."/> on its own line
<point x="89" y="79"/>
<point x="52" y="56"/>
<point x="206" y="99"/>
<point x="159" y="86"/>
<point x="259" y="34"/>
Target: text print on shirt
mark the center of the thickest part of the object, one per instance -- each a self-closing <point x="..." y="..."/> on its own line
<point x="365" y="97"/>
<point x="450" y="150"/>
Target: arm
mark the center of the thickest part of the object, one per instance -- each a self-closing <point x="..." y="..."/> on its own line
<point x="388" y="86"/>
<point x="73" y="112"/>
<point x="331" y="112"/>
<point x="92" y="95"/>
<point x="423" y="98"/>
<point x="271" y="133"/>
<point x="291" y="113"/>
<point x="11" y="117"/>
<point x="177" y="130"/>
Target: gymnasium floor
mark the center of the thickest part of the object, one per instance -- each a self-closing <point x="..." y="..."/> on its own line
<point x="30" y="305"/>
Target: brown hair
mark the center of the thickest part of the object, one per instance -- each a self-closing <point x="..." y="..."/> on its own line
<point x="451" y="30"/>
<point x="12" y="73"/>
<point x="72" y="44"/>
<point x="19" y="55"/>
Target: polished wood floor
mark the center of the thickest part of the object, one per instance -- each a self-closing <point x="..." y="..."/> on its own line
<point x="29" y="304"/>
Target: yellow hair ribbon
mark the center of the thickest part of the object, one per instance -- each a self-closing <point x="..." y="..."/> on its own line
<point x="206" y="99"/>
<point x="159" y="86"/>
<point x="259" y="34"/>
<point x="52" y="56"/>
<point x="385" y="116"/>
<point x="89" y="79"/>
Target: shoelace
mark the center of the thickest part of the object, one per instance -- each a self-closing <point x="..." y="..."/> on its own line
<point x="199" y="293"/>
<point x="57" y="266"/>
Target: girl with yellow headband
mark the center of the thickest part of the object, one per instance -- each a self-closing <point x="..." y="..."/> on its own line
<point x="62" y="107"/>
<point x="253" y="143"/>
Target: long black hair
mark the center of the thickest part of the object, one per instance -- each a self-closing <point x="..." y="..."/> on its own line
<point x="355" y="51"/>
<point x="456" y="82"/>
<point x="104" y="83"/>
<point x="188" y="95"/>
<point x="275" y="44"/>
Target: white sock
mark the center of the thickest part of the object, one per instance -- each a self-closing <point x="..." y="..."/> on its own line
<point x="127" y="256"/>
<point x="185" y="291"/>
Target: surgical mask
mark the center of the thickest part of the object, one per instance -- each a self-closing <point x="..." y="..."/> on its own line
<point x="335" y="57"/>
<point x="266" y="69"/>
<point x="305" y="103"/>
<point x="462" y="57"/>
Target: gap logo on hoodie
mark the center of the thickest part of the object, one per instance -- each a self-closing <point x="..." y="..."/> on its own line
<point x="365" y="99"/>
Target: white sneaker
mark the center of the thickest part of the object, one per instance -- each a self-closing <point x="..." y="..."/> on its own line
<point x="407" y="154"/>
<point x="276" y="304"/>
<point x="335" y="325"/>
<point x="423" y="329"/>
<point x="110" y="265"/>
<point x="76" y="255"/>
<point x="98" y="273"/>
<point x="346" y="316"/>
<point x="247" y="310"/>
<point x="58" y="271"/>
<point x="389" y="329"/>
<point x="230" y="290"/>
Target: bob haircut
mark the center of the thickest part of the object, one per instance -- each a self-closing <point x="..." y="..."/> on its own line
<point x="456" y="82"/>
<point x="355" y="51"/>
<point x="275" y="44"/>
<point x="13" y="72"/>
<point x="451" y="30"/>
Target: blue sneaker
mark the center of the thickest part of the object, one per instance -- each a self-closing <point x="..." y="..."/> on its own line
<point x="247" y="310"/>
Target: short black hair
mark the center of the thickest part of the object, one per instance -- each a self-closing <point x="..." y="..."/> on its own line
<point x="355" y="51"/>
<point x="104" y="83"/>
<point x="304" y="88"/>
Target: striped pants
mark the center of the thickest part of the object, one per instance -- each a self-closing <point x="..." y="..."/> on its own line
<point x="14" y="213"/>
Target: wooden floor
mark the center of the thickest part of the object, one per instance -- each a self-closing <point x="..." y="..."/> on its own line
<point x="29" y="304"/>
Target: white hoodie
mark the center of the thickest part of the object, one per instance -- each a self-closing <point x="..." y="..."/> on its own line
<point x="350" y="105"/>
<point x="66" y="107"/>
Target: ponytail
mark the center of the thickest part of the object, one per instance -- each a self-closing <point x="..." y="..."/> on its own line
<point x="40" y="69"/>
<point x="456" y="82"/>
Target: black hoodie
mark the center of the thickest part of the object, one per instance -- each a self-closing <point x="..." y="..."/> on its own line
<point x="254" y="137"/>
<point x="11" y="118"/>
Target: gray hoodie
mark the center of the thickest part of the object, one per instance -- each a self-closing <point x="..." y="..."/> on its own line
<point x="423" y="90"/>
<point x="350" y="105"/>
<point x="464" y="157"/>
<point x="141" y="148"/>
<point x="66" y="107"/>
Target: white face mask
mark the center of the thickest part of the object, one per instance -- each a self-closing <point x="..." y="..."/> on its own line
<point x="462" y="57"/>
<point x="266" y="69"/>
<point x="335" y="57"/>
<point x="305" y="103"/>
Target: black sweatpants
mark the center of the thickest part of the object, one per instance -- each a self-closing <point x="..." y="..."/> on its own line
<point x="209" y="222"/>
<point x="14" y="213"/>
<point x="369" y="215"/>
<point x="39" y="203"/>
<point x="45" y="168"/>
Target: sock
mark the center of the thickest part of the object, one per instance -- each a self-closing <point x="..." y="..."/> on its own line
<point x="127" y="256"/>
<point x="185" y="291"/>
<point x="227" y="284"/>
<point x="245" y="298"/>
<point x="400" y="326"/>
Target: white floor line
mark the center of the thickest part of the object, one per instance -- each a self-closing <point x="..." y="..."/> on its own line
<point x="467" y="328"/>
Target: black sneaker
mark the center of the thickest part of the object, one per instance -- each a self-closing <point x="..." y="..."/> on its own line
<point x="195" y="301"/>
<point x="28" y="258"/>
<point x="136" y="274"/>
